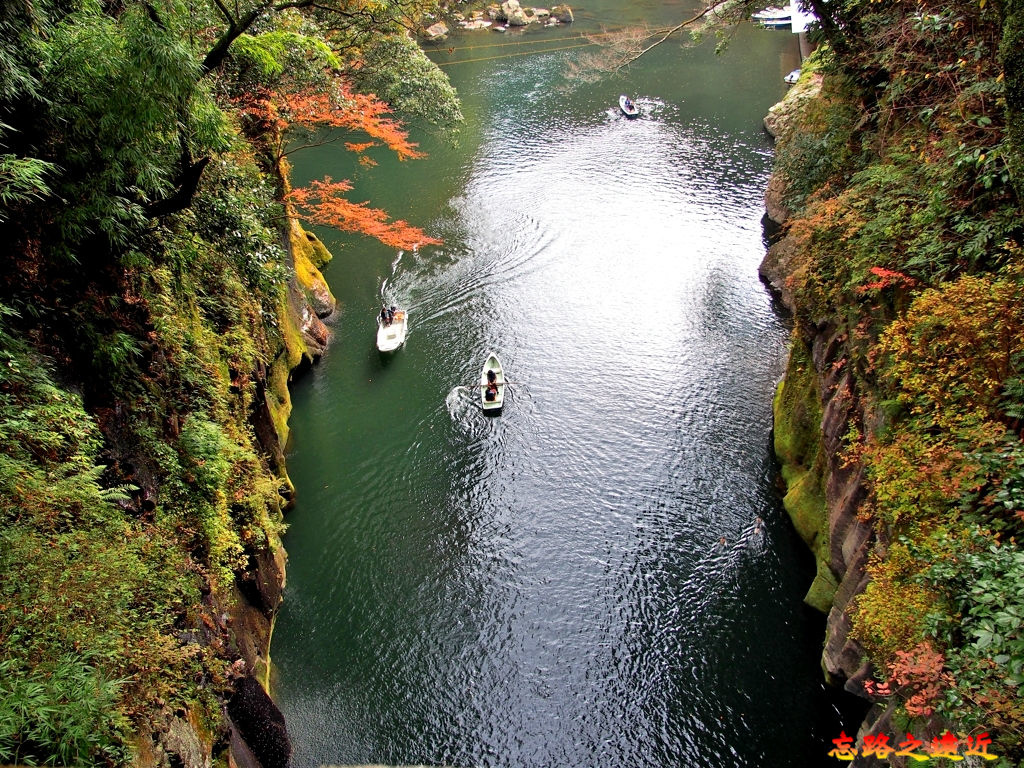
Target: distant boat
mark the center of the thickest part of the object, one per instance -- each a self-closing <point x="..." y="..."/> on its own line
<point x="628" y="106"/>
<point x="492" y="384"/>
<point x="773" y="17"/>
<point x="390" y="336"/>
<point x="793" y="76"/>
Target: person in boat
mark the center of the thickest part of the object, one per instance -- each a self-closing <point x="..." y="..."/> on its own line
<point x="492" y="386"/>
<point x="384" y="315"/>
<point x="629" y="103"/>
<point x="391" y="314"/>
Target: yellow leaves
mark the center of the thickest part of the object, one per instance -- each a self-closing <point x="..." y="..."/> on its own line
<point x="954" y="350"/>
<point x="889" y="615"/>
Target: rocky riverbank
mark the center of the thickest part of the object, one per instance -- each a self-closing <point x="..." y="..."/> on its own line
<point x="500" y="18"/>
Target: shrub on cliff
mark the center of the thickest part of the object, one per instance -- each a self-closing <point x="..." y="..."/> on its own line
<point x="910" y="233"/>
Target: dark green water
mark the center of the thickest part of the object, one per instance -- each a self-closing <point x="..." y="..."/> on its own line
<point x="603" y="575"/>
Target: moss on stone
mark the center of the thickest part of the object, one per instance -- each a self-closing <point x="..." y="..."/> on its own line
<point x="797" y="411"/>
<point x="278" y="397"/>
<point x="798" y="445"/>
<point x="823" y="589"/>
<point x="308" y="255"/>
<point x="805" y="503"/>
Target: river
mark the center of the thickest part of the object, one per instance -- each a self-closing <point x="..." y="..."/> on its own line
<point x="603" y="575"/>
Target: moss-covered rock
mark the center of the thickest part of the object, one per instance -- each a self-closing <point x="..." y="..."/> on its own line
<point x="798" y="445"/>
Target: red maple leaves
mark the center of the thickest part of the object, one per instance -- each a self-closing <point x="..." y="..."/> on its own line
<point x="278" y="115"/>
<point x="323" y="202"/>
<point x="917" y="675"/>
<point x="887" y="278"/>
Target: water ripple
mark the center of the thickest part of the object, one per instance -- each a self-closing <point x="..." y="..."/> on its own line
<point x="602" y="575"/>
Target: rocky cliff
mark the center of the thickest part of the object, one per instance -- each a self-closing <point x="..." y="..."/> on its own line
<point x="815" y="405"/>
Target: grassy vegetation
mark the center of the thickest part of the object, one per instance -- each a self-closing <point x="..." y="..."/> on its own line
<point x="115" y="530"/>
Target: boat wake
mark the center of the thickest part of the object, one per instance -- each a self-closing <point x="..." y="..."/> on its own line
<point x="462" y="403"/>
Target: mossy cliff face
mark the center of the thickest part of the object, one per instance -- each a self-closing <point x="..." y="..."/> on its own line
<point x="898" y="424"/>
<point x="254" y="732"/>
<point x="259" y="736"/>
<point x="813" y="408"/>
<point x="143" y="415"/>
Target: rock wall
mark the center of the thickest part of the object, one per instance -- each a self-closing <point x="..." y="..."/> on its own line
<point x="815" y="405"/>
<point x="253" y="732"/>
<point x="258" y="735"/>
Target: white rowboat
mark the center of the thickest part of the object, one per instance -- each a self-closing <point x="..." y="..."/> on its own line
<point x="492" y="384"/>
<point x="628" y="106"/>
<point x="773" y="17"/>
<point x="391" y="336"/>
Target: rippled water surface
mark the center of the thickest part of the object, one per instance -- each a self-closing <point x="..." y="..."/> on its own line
<point x="603" y="575"/>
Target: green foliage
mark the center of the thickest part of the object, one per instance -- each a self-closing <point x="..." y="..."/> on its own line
<point x="399" y="72"/>
<point x="824" y="148"/>
<point x="21" y="180"/>
<point x="272" y="54"/>
<point x="982" y="627"/>
<point x="238" y="211"/>
<point x="22" y="28"/>
<point x="88" y="597"/>
<point x="203" y="445"/>
<point x="113" y="83"/>
<point x="58" y="712"/>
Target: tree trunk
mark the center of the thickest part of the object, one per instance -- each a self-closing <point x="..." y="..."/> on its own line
<point x="1011" y="54"/>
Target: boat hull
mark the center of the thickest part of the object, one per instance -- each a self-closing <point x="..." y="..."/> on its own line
<point x="773" y="17"/>
<point x="391" y="337"/>
<point x="492" y="406"/>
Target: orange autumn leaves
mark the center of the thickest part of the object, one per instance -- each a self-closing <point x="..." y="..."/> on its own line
<point x="324" y="202"/>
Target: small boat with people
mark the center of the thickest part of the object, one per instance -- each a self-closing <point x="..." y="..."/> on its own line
<point x="492" y="385"/>
<point x="392" y="325"/>
<point x="628" y="106"/>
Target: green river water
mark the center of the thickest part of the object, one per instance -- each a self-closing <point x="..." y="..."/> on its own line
<point x="603" y="575"/>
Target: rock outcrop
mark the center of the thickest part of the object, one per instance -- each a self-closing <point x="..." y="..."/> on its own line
<point x="259" y="722"/>
<point x="436" y="31"/>
<point x="562" y="13"/>
<point x="814" y="407"/>
<point x="514" y="14"/>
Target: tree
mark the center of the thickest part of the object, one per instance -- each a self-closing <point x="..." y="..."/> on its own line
<point x="324" y="202"/>
<point x="351" y="22"/>
<point x="395" y="68"/>
<point x="315" y="113"/>
<point x="319" y="115"/>
<point x="112" y="107"/>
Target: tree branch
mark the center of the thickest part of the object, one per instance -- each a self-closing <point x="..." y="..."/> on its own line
<point x="224" y="10"/>
<point x="187" y="181"/>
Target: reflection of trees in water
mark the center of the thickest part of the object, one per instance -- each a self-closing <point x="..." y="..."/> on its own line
<point x="617" y="49"/>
